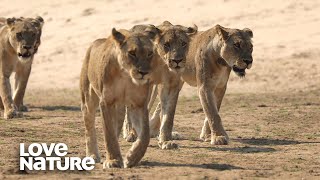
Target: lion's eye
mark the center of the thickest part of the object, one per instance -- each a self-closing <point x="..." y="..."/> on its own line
<point x="236" y="45"/>
<point x="19" y="35"/>
<point x="167" y="46"/>
<point x="132" y="54"/>
<point x="184" y="44"/>
<point x="150" y="54"/>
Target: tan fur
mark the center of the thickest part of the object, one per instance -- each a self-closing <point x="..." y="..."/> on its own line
<point x="19" y="41"/>
<point x="172" y="46"/>
<point x="211" y="57"/>
<point x="118" y="71"/>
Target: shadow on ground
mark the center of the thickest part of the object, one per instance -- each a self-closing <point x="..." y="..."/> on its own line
<point x="265" y="141"/>
<point x="64" y="108"/>
<point x="220" y="167"/>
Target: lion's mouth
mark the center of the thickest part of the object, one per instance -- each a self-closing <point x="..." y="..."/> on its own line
<point x="24" y="55"/>
<point x="239" y="72"/>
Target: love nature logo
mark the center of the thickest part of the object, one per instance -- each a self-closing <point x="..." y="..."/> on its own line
<point x="40" y="156"/>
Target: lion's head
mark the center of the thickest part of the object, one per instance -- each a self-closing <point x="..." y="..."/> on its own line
<point x="236" y="48"/>
<point x="136" y="54"/>
<point x="24" y="36"/>
<point x="172" y="42"/>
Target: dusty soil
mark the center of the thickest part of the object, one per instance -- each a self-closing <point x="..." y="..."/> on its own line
<point x="273" y="135"/>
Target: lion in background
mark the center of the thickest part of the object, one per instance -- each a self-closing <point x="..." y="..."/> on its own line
<point x="19" y="42"/>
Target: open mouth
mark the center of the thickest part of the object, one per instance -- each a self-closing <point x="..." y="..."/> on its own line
<point x="25" y="55"/>
<point x="239" y="72"/>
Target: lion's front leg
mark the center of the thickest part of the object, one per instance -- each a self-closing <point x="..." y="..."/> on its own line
<point x="140" y="122"/>
<point x="21" y="80"/>
<point x="113" y="154"/>
<point x="5" y="93"/>
<point x="169" y="98"/>
<point x="206" y="132"/>
<point x="209" y="104"/>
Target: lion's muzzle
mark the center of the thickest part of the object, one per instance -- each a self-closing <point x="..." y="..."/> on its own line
<point x="140" y="77"/>
<point x="26" y="52"/>
<point x="176" y="64"/>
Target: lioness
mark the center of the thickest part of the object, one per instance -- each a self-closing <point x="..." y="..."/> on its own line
<point x="172" y="45"/>
<point x="19" y="41"/>
<point x="211" y="57"/>
<point x="118" y="71"/>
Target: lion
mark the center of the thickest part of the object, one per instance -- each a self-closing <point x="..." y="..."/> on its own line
<point x="211" y="57"/>
<point x="172" y="45"/>
<point x="117" y="71"/>
<point x="19" y="42"/>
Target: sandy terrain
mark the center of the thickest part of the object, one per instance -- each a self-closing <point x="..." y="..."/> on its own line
<point x="272" y="115"/>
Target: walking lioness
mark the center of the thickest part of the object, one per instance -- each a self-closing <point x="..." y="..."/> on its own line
<point x="117" y="71"/>
<point x="19" y="41"/>
<point x="211" y="57"/>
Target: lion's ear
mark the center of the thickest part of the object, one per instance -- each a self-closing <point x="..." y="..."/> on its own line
<point x="118" y="36"/>
<point x="166" y="23"/>
<point x="223" y="34"/>
<point x="152" y="32"/>
<point x="40" y="21"/>
<point x="191" y="30"/>
<point x="248" y="32"/>
<point x="11" y="21"/>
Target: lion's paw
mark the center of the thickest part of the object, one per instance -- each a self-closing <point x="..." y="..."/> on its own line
<point x="12" y="114"/>
<point x="220" y="140"/>
<point x="205" y="137"/>
<point x="168" y="145"/>
<point x="128" y="164"/>
<point x="112" y="164"/>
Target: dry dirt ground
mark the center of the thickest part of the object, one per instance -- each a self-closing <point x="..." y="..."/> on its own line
<point x="273" y="135"/>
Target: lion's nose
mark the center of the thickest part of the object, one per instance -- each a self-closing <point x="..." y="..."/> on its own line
<point x="249" y="63"/>
<point x="143" y="73"/>
<point x="176" y="60"/>
<point x="26" y="47"/>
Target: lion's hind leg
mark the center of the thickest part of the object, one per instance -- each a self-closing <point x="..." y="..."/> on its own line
<point x="88" y="106"/>
<point x="1" y="104"/>
<point x="129" y="134"/>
